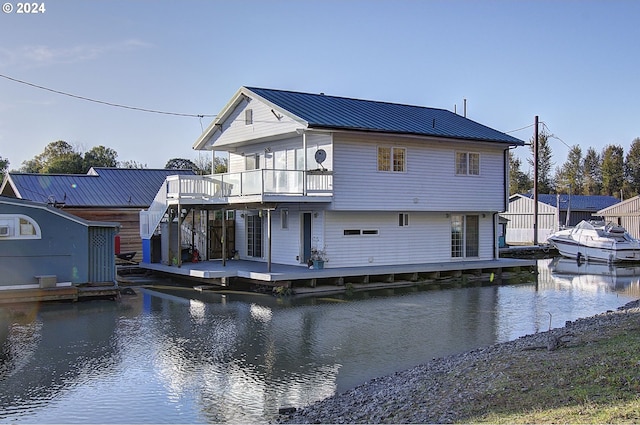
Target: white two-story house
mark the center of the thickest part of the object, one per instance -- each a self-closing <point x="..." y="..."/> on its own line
<point x="357" y="182"/>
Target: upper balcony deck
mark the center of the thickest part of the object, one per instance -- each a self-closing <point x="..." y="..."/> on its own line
<point x="251" y="186"/>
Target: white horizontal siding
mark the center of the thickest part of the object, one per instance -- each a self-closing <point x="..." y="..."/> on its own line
<point x="288" y="148"/>
<point x="286" y="244"/>
<point x="519" y="229"/>
<point x="429" y="183"/>
<point x="427" y="239"/>
<point x="265" y="125"/>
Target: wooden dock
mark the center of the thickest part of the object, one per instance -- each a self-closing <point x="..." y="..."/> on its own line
<point x="59" y="293"/>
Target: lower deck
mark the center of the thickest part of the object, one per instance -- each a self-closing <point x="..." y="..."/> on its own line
<point x="217" y="273"/>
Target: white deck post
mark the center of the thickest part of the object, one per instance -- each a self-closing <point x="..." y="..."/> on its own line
<point x="269" y="240"/>
<point x="224" y="238"/>
<point x="304" y="155"/>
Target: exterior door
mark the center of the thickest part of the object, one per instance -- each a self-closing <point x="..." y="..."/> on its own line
<point x="306" y="237"/>
<point x="215" y="238"/>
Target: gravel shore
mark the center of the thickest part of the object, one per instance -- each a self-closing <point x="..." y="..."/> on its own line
<point x="443" y="390"/>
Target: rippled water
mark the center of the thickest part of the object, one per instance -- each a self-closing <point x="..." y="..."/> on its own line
<point x="172" y="355"/>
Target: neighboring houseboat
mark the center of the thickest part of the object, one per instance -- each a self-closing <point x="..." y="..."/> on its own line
<point x="42" y="247"/>
<point x="554" y="213"/>
<point x="103" y="194"/>
<point x="354" y="183"/>
<point x="626" y="214"/>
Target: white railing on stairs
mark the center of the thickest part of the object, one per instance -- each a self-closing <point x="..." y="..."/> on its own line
<point x="150" y="219"/>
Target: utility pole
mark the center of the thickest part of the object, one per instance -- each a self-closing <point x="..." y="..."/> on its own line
<point x="535" y="183"/>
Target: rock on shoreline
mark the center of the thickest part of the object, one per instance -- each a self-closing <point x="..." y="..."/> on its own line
<point x="436" y="392"/>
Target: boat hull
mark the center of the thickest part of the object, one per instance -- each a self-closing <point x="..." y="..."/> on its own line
<point x="571" y="249"/>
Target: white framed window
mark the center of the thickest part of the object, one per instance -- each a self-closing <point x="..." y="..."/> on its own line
<point x="392" y="159"/>
<point x="252" y="162"/>
<point x="18" y="226"/>
<point x="467" y="164"/>
<point x="248" y="116"/>
<point x="284" y="219"/>
<point x="403" y="219"/>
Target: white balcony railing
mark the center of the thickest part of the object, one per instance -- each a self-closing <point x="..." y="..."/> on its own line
<point x="224" y="187"/>
<point x="248" y="183"/>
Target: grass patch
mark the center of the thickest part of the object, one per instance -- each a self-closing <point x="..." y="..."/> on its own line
<point x="595" y="380"/>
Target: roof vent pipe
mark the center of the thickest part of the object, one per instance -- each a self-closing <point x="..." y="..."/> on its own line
<point x="465" y="108"/>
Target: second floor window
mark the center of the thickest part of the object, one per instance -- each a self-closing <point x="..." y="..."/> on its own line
<point x="467" y="163"/>
<point x="252" y="162"/>
<point x="392" y="159"/>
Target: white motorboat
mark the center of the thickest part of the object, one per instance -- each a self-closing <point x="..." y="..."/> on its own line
<point x="596" y="241"/>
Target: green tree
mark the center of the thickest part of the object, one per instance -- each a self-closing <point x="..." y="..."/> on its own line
<point x="60" y="158"/>
<point x="570" y="177"/>
<point x="519" y="182"/>
<point x="632" y="168"/>
<point x="592" y="173"/>
<point x="4" y="168"/>
<point x="57" y="157"/>
<point x="204" y="164"/>
<point x="612" y="170"/>
<point x="132" y="164"/>
<point x="545" y="181"/>
<point x="100" y="156"/>
<point x="181" y="164"/>
<point x="221" y="165"/>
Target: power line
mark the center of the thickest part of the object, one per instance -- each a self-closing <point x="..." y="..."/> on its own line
<point x="519" y="129"/>
<point x="153" y="111"/>
<point x="554" y="136"/>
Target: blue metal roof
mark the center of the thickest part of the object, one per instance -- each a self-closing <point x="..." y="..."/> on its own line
<point x="104" y="187"/>
<point x="331" y="112"/>
<point x="577" y="202"/>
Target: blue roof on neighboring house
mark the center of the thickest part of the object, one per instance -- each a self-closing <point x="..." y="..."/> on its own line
<point x="106" y="187"/>
<point x="576" y="202"/>
<point x="331" y="112"/>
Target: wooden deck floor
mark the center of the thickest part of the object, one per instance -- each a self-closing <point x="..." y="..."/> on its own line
<point x="257" y="271"/>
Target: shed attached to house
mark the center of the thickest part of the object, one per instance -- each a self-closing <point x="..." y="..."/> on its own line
<point x="625" y="214"/>
<point x="572" y="210"/>
<point x="43" y="246"/>
<point x="103" y="194"/>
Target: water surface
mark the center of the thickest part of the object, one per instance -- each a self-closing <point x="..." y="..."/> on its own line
<point x="174" y="355"/>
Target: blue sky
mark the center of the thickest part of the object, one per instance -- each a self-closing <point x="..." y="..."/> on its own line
<point x="575" y="64"/>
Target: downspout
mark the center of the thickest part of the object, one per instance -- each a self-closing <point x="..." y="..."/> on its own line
<point x="505" y="192"/>
<point x="505" y="202"/>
